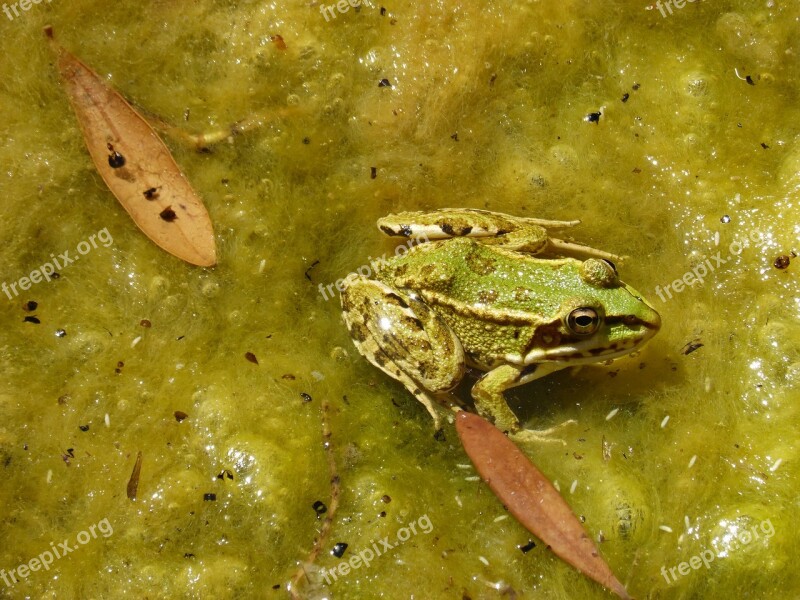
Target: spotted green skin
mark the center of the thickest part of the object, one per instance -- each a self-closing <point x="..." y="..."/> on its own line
<point x="469" y="300"/>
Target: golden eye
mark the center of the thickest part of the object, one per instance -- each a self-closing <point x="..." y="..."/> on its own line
<point x="583" y="321"/>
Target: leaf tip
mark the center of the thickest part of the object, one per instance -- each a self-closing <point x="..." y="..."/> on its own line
<point x="616" y="587"/>
<point x="210" y="261"/>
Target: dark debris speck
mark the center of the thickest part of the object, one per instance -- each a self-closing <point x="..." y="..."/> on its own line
<point x="691" y="347"/>
<point x="116" y="160"/>
<point x="527" y="547"/>
<point x="168" y="214"/>
<point x="782" y="262"/>
<point x="339" y="549"/>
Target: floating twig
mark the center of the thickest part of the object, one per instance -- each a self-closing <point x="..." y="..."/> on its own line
<point x="322" y="536"/>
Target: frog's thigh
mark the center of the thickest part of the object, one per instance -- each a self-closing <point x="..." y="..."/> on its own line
<point x="403" y="338"/>
<point x="488" y="391"/>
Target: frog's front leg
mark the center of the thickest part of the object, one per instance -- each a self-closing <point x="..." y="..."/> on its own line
<point x="398" y="333"/>
<point x="490" y="402"/>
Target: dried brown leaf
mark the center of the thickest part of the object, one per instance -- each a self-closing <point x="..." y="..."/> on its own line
<point x="136" y="165"/>
<point x="532" y="499"/>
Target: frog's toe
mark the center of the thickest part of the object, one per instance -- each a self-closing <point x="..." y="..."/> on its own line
<point x="528" y="436"/>
<point x="539" y="436"/>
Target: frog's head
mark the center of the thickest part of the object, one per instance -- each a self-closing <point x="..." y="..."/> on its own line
<point x="604" y="318"/>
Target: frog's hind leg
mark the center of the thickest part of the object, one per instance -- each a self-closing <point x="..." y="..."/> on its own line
<point x="402" y="336"/>
<point x="520" y="234"/>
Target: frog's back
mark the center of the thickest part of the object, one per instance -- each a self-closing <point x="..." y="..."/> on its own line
<point x="509" y="307"/>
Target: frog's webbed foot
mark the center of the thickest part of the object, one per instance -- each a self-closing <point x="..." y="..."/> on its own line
<point x="403" y="337"/>
<point x="539" y="436"/>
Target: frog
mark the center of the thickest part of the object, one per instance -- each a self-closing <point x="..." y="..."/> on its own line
<point x="493" y="293"/>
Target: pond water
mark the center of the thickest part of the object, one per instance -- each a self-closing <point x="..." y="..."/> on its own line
<point x="670" y="130"/>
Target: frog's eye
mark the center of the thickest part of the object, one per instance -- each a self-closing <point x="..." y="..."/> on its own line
<point x="583" y="321"/>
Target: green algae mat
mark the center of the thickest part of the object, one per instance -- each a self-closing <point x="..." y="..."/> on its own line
<point x="669" y="129"/>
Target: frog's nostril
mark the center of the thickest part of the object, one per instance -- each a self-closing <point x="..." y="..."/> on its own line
<point x="655" y="320"/>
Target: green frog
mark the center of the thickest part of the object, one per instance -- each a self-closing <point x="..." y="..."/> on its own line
<point x="473" y="293"/>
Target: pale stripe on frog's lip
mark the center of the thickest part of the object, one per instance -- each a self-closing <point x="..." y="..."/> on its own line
<point x="574" y="352"/>
<point x="584" y="351"/>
